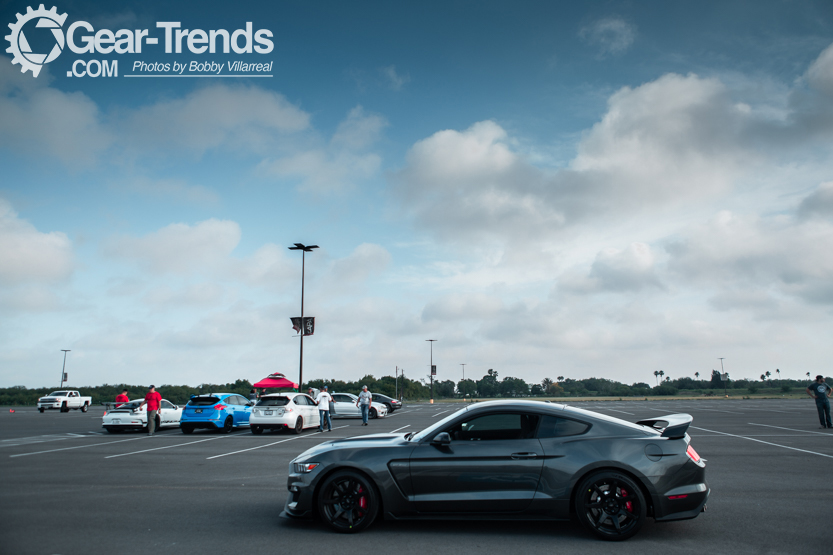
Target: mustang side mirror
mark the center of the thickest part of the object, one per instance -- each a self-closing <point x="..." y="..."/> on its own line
<point x="441" y="439"/>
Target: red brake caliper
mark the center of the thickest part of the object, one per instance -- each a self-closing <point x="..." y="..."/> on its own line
<point x="628" y="504"/>
<point x="362" y="500"/>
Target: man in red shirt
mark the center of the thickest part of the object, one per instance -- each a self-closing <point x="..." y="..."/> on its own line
<point x="122" y="399"/>
<point x="153" y="400"/>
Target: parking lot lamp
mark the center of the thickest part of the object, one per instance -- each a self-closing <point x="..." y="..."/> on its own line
<point x="64" y="368"/>
<point x="304" y="249"/>
<point x="431" y="342"/>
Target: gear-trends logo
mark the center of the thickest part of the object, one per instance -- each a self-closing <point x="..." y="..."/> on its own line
<point x="20" y="49"/>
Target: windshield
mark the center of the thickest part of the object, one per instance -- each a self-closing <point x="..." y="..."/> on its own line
<point x="58" y="394"/>
<point x="131" y="405"/>
<point x="203" y="401"/>
<point x="433" y="430"/>
<point x="273" y="401"/>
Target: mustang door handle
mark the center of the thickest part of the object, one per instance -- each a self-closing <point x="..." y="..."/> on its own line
<point x="524" y="455"/>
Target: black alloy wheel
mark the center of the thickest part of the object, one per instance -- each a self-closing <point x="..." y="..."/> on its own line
<point x="186" y="429"/>
<point x="611" y="505"/>
<point x="228" y="425"/>
<point x="257" y="430"/>
<point x="348" y="502"/>
<point x="85" y="407"/>
<point x="299" y="426"/>
<point x="373" y="413"/>
<point x="40" y="409"/>
<point x="64" y="407"/>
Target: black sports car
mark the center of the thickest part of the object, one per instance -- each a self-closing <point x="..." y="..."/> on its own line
<point x="507" y="460"/>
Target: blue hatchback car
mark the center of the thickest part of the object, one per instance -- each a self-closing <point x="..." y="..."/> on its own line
<point x="215" y="411"/>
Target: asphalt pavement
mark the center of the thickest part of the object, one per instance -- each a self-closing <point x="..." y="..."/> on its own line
<point x="68" y="487"/>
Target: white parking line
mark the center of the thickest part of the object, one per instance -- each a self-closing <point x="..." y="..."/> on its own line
<point x="269" y="444"/>
<point x="76" y="447"/>
<point x="439" y="413"/>
<point x="614" y="410"/>
<point x="791" y="429"/>
<point x="166" y="447"/>
<point x="397" y="429"/>
<point x="765" y="442"/>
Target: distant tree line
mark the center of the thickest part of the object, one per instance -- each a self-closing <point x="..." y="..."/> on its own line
<point x="489" y="386"/>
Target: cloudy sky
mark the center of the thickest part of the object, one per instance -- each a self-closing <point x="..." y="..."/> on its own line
<point x="547" y="188"/>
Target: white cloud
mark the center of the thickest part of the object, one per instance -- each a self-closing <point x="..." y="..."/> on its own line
<point x="179" y="248"/>
<point x="42" y="122"/>
<point x="395" y="80"/>
<point x="198" y="294"/>
<point x="341" y="164"/>
<point x="170" y="189"/>
<point x="30" y="256"/>
<point x="629" y="269"/>
<point x="738" y="252"/>
<point x="819" y="203"/>
<point x="219" y="116"/>
<point x="365" y="261"/>
<point x="820" y="73"/>
<point x="611" y="35"/>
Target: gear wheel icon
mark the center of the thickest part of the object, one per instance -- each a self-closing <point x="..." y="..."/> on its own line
<point x="19" y="46"/>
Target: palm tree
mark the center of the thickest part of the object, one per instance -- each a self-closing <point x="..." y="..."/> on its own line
<point x="560" y="378"/>
<point x="777" y="371"/>
<point x="763" y="378"/>
<point x="661" y="374"/>
<point x="656" y="375"/>
<point x="697" y="375"/>
<point x="808" y="374"/>
<point x="767" y="374"/>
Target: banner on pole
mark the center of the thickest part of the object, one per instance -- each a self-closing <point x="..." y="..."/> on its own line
<point x="433" y="369"/>
<point x="308" y="324"/>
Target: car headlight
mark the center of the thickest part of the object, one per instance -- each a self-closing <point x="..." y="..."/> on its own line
<point x="305" y="468"/>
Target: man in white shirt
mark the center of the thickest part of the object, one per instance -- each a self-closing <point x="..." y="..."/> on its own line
<point x="365" y="398"/>
<point x="323" y="401"/>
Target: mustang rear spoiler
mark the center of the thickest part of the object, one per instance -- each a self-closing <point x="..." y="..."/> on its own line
<point x="673" y="426"/>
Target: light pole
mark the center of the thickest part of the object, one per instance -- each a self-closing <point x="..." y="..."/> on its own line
<point x="431" y="342"/>
<point x="463" y="364"/>
<point x="63" y="370"/>
<point x="304" y="249"/>
<point x="723" y="376"/>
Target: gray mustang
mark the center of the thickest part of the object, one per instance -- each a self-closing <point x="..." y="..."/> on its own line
<point x="507" y="460"/>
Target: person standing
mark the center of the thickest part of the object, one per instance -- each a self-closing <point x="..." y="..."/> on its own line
<point x="122" y="398"/>
<point x="820" y="391"/>
<point x="253" y="396"/>
<point x="323" y="401"/>
<point x="154" y="401"/>
<point x="365" y="398"/>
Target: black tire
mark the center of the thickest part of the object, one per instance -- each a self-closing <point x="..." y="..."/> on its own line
<point x="228" y="425"/>
<point x="158" y="424"/>
<point x="64" y="407"/>
<point x="85" y="407"/>
<point x="257" y="430"/>
<point x="374" y="413"/>
<point x="186" y="429"/>
<point x="299" y="426"/>
<point x="41" y="409"/>
<point x="348" y="502"/>
<point x="610" y="505"/>
<point x="390" y="408"/>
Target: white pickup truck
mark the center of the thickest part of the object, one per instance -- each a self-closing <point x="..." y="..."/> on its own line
<point x="64" y="400"/>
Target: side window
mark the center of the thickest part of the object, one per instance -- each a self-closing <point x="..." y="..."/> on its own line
<point x="496" y="427"/>
<point x="232" y="400"/>
<point x="167" y="404"/>
<point x="552" y="426"/>
<point x="301" y="400"/>
<point x="242" y="400"/>
<point x="342" y="399"/>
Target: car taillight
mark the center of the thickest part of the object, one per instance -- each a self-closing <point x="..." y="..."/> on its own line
<point x="677" y="496"/>
<point x="219" y="407"/>
<point x="692" y="454"/>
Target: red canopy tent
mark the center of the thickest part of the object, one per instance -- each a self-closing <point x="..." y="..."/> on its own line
<point x="276" y="381"/>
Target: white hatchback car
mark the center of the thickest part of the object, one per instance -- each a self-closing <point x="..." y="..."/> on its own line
<point x="129" y="417"/>
<point x="345" y="405"/>
<point x="284" y="411"/>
